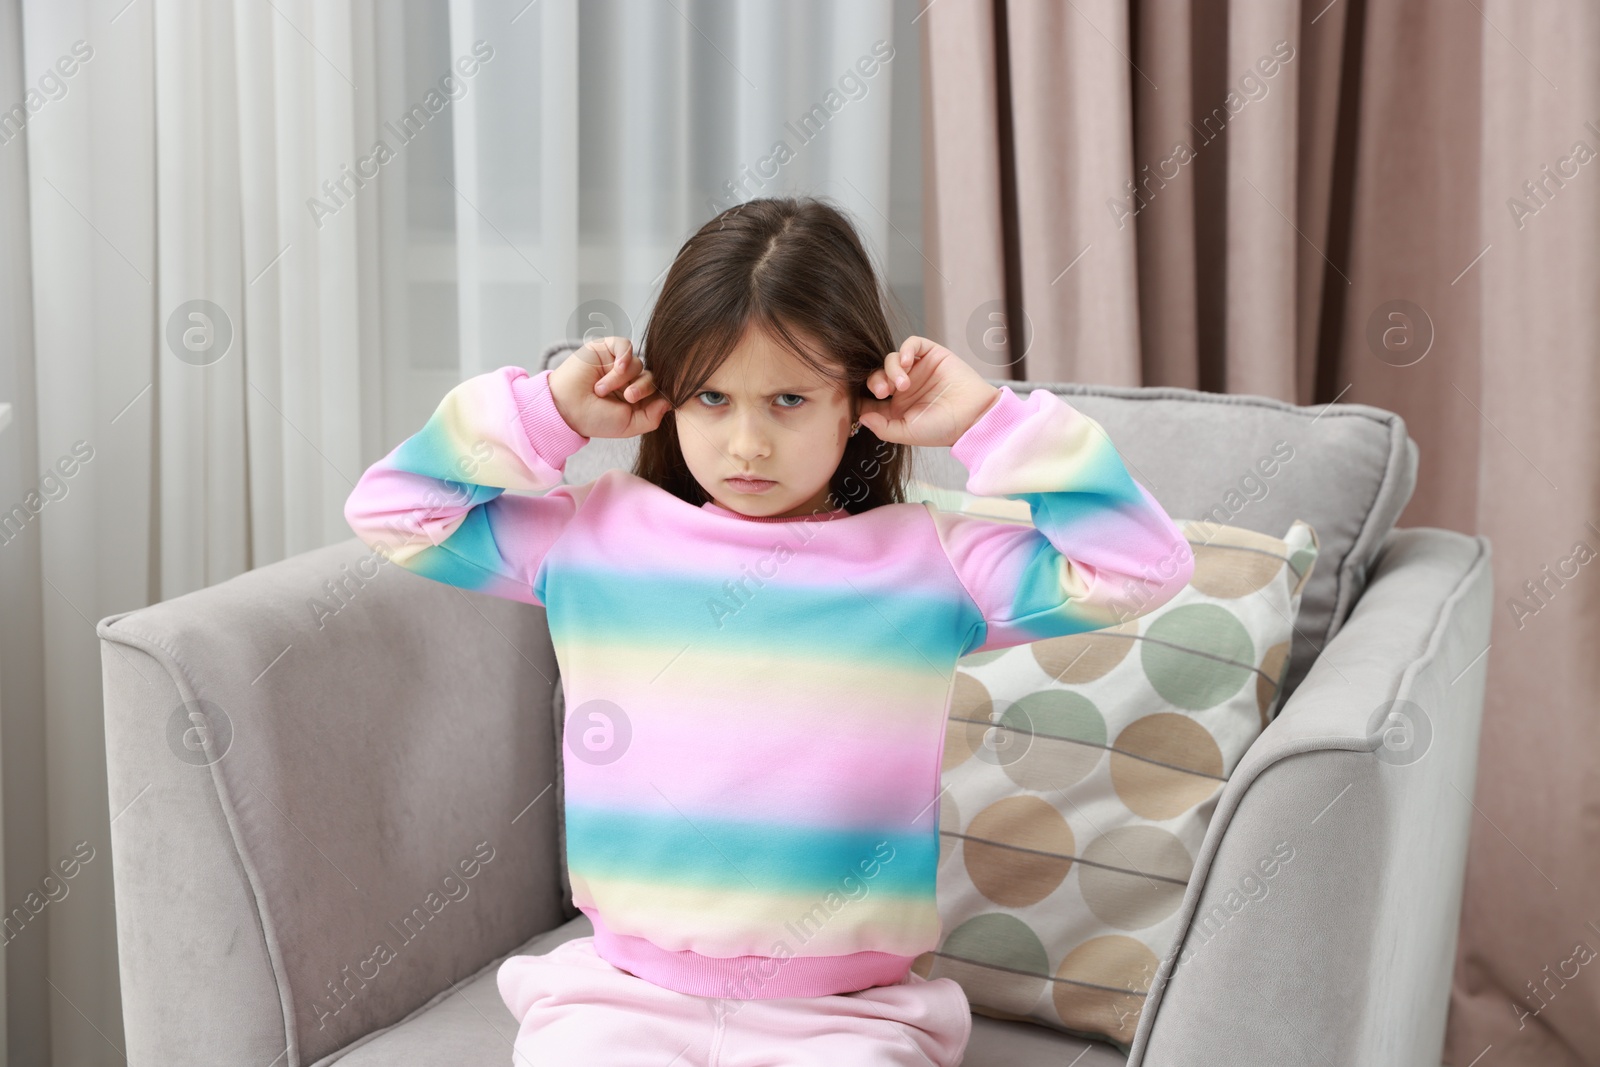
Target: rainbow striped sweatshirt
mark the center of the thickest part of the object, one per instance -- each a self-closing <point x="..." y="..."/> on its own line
<point x="756" y="707"/>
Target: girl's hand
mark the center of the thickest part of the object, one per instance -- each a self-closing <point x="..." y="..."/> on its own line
<point x="927" y="395"/>
<point x="602" y="390"/>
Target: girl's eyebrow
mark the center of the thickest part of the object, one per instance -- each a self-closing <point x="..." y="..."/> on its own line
<point x="780" y="392"/>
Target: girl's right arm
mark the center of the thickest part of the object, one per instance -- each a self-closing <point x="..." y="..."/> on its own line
<point x="436" y="504"/>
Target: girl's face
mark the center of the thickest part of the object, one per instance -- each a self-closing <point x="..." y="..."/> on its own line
<point x="765" y="415"/>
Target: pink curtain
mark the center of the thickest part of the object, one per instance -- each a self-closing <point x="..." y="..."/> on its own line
<point x="1233" y="196"/>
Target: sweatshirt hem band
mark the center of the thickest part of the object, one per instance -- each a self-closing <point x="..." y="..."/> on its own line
<point x="747" y="977"/>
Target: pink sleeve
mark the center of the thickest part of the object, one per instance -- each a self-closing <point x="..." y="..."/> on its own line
<point x="437" y="503"/>
<point x="1100" y="551"/>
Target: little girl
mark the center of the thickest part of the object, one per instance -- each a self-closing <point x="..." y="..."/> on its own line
<point x="757" y="638"/>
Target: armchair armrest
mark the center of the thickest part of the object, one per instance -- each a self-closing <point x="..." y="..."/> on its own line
<point x="332" y="790"/>
<point x="1321" y="918"/>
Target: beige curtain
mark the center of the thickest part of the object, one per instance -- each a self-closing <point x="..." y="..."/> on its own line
<point x="1226" y="196"/>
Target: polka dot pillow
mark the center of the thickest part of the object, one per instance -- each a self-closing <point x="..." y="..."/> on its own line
<point x="1080" y="774"/>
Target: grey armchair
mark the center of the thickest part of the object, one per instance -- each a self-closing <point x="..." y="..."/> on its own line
<point x="337" y="804"/>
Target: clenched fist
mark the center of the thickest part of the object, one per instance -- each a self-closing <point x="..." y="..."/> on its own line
<point x="602" y="390"/>
<point x="926" y="395"/>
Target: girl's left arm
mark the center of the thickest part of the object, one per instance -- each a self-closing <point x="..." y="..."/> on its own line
<point x="1101" y="550"/>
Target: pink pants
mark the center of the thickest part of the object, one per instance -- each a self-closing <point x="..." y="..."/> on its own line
<point x="573" y="1007"/>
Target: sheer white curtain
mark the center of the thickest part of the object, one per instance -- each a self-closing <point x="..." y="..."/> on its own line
<point x="245" y="248"/>
<point x="547" y="200"/>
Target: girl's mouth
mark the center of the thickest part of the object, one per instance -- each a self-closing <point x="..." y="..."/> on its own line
<point x="751" y="485"/>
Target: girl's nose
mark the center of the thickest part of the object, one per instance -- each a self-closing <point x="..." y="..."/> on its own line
<point x="747" y="438"/>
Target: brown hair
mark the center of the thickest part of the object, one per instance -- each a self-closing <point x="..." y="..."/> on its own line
<point x="796" y="269"/>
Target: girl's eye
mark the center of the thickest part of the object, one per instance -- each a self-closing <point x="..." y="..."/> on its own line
<point x="712" y="398"/>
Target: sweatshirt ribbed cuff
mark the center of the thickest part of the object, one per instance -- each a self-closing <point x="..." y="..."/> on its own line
<point x="547" y="431"/>
<point x="992" y="427"/>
